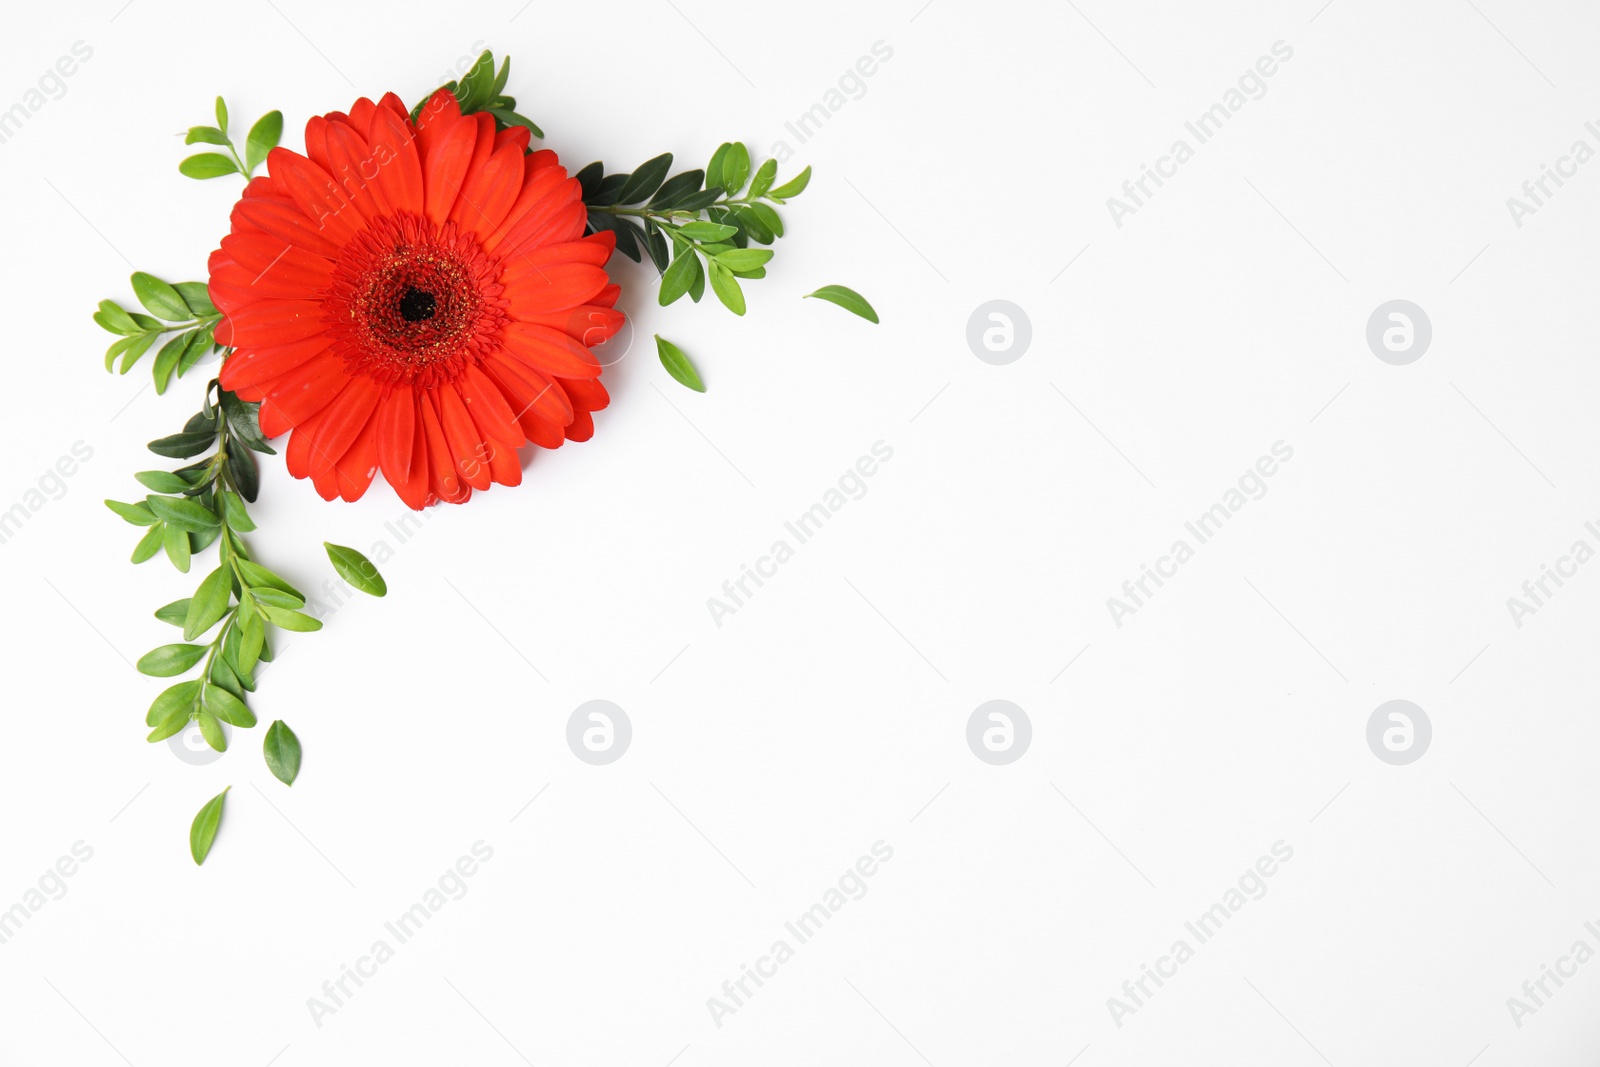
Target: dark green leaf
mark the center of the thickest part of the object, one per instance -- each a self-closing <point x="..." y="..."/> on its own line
<point x="356" y="569"/>
<point x="605" y="194"/>
<point x="676" y="188"/>
<point x="478" y="85"/>
<point x="678" y="365"/>
<point x="183" y="445"/>
<point x="643" y="183"/>
<point x="656" y="245"/>
<point x="159" y="298"/>
<point x="848" y="299"/>
<point x="282" y="750"/>
<point x="244" y="422"/>
<point x="506" y="118"/>
<point x="162" y="481"/>
<point x="751" y="223"/>
<point x="263" y="138"/>
<point x="168" y="660"/>
<point x="242" y="469"/>
<point x="203" y="831"/>
<point x="589" y="179"/>
<point x="699" y="201"/>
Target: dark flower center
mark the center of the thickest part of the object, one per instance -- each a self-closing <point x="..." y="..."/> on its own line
<point x="417" y="305"/>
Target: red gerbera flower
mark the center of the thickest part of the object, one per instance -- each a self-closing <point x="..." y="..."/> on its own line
<point x="416" y="298"/>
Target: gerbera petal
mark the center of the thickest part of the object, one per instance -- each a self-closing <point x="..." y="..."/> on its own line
<point x="489" y="192"/>
<point x="549" y="350"/>
<point x="526" y="390"/>
<point x="536" y="187"/>
<point x="444" y="168"/>
<point x="566" y="224"/>
<point x="505" y="468"/>
<point x="361" y="113"/>
<point x="300" y="394"/>
<point x="443" y="480"/>
<point x="352" y="165"/>
<point x="275" y="322"/>
<point x="581" y="428"/>
<point x="556" y="203"/>
<point x="439" y="113"/>
<point x="396" y="105"/>
<point x="254" y="367"/>
<point x="297" y="457"/>
<point x="466" y="444"/>
<point x="413" y="488"/>
<point x="488" y="407"/>
<point x="342" y="422"/>
<point x="264" y="255"/>
<point x="594" y="253"/>
<point x="395" y="422"/>
<point x="555" y="287"/>
<point x="513" y="135"/>
<point x="316" y="195"/>
<point x="280" y="217"/>
<point x="394" y="150"/>
<point x="586" y="394"/>
<point x="359" y="464"/>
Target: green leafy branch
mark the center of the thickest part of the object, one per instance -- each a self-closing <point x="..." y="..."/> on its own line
<point x="262" y="138"/>
<point x="482" y="89"/>
<point x="705" y="215"/>
<point x="185" y="312"/>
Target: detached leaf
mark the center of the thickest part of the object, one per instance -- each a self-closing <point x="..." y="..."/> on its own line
<point x="282" y="750"/>
<point x="848" y="299"/>
<point x="263" y="138"/>
<point x="203" y="831"/>
<point x="678" y="365"/>
<point x="168" y="660"/>
<point x="159" y="298"/>
<point x="356" y="569"/>
<point x="207" y="165"/>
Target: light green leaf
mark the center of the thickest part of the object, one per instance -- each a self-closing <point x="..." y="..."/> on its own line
<point x="209" y="603"/>
<point x="707" y="231"/>
<point x="174" y="612"/>
<point x="168" y="660"/>
<point x="763" y="179"/>
<point x="203" y="831"/>
<point x="175" y="539"/>
<point x="678" y="365"/>
<point x="679" y="276"/>
<point x="159" y="298"/>
<point x="227" y="707"/>
<point x="150" y="543"/>
<point x="356" y="569"/>
<point x="138" y="514"/>
<point x="207" y="165"/>
<point x="848" y="299"/>
<point x="174" y="698"/>
<point x="211" y="730"/>
<point x="255" y="575"/>
<point x="726" y="286"/>
<point x="263" y="138"/>
<point x="791" y="188"/>
<point x="290" y="620"/>
<point x="742" y="259"/>
<point x="205" y="135"/>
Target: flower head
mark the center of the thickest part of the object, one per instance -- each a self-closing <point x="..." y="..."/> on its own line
<point x="416" y="298"/>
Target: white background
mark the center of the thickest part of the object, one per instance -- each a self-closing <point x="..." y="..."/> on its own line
<point x="830" y="712"/>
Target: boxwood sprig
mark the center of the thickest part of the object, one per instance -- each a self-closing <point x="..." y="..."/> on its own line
<point x="697" y="227"/>
<point x="181" y="312"/>
<point x="262" y="138"/>
<point x="483" y="89"/>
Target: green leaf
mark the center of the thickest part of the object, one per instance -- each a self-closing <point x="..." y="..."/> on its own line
<point x="282" y="750"/>
<point x="183" y="512"/>
<point x="278" y="598"/>
<point x="183" y="445"/>
<point x="506" y="118"/>
<point x="679" y="276"/>
<point x="174" y="612"/>
<point x="244" y="422"/>
<point x="253" y="634"/>
<point x="222" y="114"/>
<point x="207" y="165"/>
<point x="227" y="707"/>
<point x="707" y="231"/>
<point x="735" y="168"/>
<point x="199" y="343"/>
<point x="767" y="217"/>
<point x="726" y="286"/>
<point x="589" y="179"/>
<point x="175" y="540"/>
<point x="234" y="510"/>
<point x="744" y="258"/>
<point x="753" y="226"/>
<point x="175" y="699"/>
<point x="197" y="297"/>
<point x="356" y="569"/>
<point x="848" y="299"/>
<point x="714" y="168"/>
<point x="137" y="514"/>
<point x="168" y="660"/>
<point x="242" y="469"/>
<point x="646" y="180"/>
<point x="678" y="365"/>
<point x="159" y="298"/>
<point x="167" y="361"/>
<point x="676" y="188"/>
<point x="763" y="179"/>
<point x="113" y="318"/>
<point x="791" y="188"/>
<point x="162" y="481"/>
<point x="255" y="576"/>
<point x="167" y="727"/>
<point x="290" y="620"/>
<point x="203" y="831"/>
<point x="150" y="543"/>
<point x="211" y="730"/>
<point x="477" y="87"/>
<point x="209" y="603"/>
<point x="263" y="138"/>
<point x="206" y="135"/>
